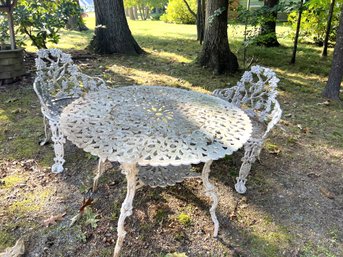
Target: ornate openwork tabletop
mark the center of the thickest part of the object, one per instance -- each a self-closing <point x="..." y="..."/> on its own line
<point x="153" y="125"/>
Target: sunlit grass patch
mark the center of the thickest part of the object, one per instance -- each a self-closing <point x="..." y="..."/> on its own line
<point x="12" y="180"/>
<point x="264" y="236"/>
<point x="31" y="202"/>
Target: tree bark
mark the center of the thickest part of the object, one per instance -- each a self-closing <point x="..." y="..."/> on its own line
<point x="200" y="20"/>
<point x="112" y="33"/>
<point x="215" y="53"/>
<point x="328" y="29"/>
<point x="76" y="22"/>
<point x="267" y="36"/>
<point x="336" y="73"/>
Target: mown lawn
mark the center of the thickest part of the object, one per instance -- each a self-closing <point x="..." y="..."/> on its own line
<point x="294" y="201"/>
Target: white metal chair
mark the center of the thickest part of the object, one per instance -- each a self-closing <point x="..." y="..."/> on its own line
<point x="58" y="82"/>
<point x="256" y="94"/>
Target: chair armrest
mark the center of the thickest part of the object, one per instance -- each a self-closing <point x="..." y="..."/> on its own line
<point x="276" y="116"/>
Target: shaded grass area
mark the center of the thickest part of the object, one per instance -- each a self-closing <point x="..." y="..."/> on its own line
<point x="308" y="123"/>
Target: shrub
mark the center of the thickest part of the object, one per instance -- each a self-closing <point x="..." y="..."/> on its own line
<point x="178" y="13"/>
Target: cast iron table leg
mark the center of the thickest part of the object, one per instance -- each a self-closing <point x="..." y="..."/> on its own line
<point x="210" y="191"/>
<point x="130" y="170"/>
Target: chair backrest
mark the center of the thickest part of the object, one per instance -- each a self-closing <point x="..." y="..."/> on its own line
<point x="59" y="81"/>
<point x="255" y="93"/>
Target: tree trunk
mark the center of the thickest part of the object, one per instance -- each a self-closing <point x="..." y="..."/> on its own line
<point x="11" y="29"/>
<point x="112" y="33"/>
<point x="200" y="20"/>
<point x="336" y="73"/>
<point x="215" y="53"/>
<point x="143" y="13"/>
<point x="140" y="11"/>
<point x="135" y="12"/>
<point x="147" y="12"/>
<point x="10" y="9"/>
<point x="76" y="22"/>
<point x="131" y="14"/>
<point x="295" y="46"/>
<point x="267" y="36"/>
<point x="328" y="29"/>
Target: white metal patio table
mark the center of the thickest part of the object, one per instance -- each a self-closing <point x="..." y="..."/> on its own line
<point x="155" y="126"/>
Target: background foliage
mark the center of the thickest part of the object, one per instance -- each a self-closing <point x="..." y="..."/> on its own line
<point x="314" y="20"/>
<point x="41" y="20"/>
<point x="178" y="13"/>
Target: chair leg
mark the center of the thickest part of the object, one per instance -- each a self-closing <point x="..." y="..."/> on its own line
<point x="210" y="191"/>
<point x="58" y="139"/>
<point x="131" y="171"/>
<point x="99" y="173"/>
<point x="252" y="150"/>
<point x="46" y="132"/>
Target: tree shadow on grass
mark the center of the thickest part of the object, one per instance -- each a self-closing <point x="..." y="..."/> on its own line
<point x="173" y="63"/>
<point x="281" y="191"/>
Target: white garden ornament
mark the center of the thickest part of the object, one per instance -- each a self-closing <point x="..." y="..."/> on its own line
<point x="58" y="82"/>
<point x="256" y="94"/>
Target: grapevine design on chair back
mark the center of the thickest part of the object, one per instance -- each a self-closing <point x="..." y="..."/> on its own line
<point x="58" y="82"/>
<point x="256" y="94"/>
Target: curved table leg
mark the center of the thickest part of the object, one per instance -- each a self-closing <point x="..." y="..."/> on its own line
<point x="130" y="170"/>
<point x="210" y="191"/>
<point x="100" y="171"/>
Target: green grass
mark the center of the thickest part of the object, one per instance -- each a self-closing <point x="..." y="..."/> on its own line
<point x="171" y="60"/>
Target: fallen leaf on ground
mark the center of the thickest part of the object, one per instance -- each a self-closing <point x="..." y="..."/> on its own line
<point x="87" y="200"/>
<point x="233" y="215"/>
<point x="327" y="193"/>
<point x="17" y="250"/>
<point x="52" y="220"/>
<point x="75" y="219"/>
<point x="306" y="130"/>
<point x="313" y="175"/>
<point x="327" y="102"/>
<point x="176" y="255"/>
<point x="11" y="100"/>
